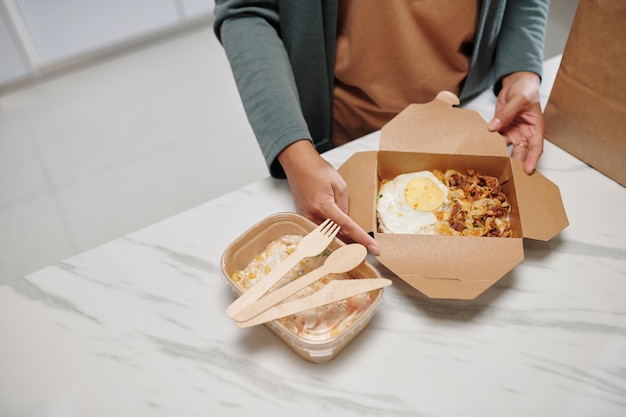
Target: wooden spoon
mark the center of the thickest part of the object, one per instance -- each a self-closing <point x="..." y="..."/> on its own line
<point x="341" y="260"/>
<point x="335" y="290"/>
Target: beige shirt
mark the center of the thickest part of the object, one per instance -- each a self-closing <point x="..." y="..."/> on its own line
<point x="394" y="53"/>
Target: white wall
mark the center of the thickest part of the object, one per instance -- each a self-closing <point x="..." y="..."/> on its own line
<point x="37" y="36"/>
<point x="12" y="63"/>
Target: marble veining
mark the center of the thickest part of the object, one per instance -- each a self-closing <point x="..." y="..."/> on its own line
<point x="137" y="327"/>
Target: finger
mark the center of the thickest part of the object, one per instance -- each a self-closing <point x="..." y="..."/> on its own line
<point x="506" y="113"/>
<point x="352" y="231"/>
<point x="530" y="163"/>
<point x="349" y="228"/>
<point x="519" y="151"/>
<point x="532" y="158"/>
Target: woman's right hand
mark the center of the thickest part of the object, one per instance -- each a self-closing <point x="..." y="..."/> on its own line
<point x="320" y="192"/>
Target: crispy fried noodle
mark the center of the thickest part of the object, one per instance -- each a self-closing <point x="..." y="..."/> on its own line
<point x="477" y="205"/>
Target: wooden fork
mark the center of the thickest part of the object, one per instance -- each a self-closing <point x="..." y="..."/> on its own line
<point x="310" y="245"/>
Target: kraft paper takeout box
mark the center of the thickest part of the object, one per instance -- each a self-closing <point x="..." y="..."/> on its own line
<point x="437" y="135"/>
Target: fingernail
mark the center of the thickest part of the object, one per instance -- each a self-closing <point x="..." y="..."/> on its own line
<point x="495" y="124"/>
<point x="373" y="249"/>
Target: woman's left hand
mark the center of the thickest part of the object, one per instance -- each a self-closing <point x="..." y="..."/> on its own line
<point x="519" y="118"/>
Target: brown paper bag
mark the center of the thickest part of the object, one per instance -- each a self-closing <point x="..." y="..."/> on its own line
<point x="586" y="112"/>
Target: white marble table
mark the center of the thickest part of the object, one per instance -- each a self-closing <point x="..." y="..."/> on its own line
<point x="137" y="327"/>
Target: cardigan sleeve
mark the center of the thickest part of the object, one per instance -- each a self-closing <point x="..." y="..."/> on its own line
<point x="250" y="34"/>
<point x="521" y="41"/>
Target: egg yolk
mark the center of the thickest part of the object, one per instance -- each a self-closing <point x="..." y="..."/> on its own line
<point x="423" y="194"/>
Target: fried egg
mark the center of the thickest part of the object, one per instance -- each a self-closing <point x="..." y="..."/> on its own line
<point x="408" y="203"/>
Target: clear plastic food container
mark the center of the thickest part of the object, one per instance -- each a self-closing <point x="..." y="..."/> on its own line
<point x="325" y="344"/>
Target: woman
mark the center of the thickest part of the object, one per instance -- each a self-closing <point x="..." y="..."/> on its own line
<point x="315" y="74"/>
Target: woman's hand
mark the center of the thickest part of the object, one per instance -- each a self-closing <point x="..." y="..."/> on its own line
<point x="519" y="118"/>
<point x="320" y="192"/>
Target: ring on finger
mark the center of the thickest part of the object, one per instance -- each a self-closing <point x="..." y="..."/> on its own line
<point x="522" y="144"/>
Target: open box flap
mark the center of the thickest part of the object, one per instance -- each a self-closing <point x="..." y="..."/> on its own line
<point x="542" y="214"/>
<point x="421" y="127"/>
<point x="447" y="266"/>
<point x="359" y="172"/>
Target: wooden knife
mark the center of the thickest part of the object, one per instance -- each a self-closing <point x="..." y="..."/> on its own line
<point x="333" y="291"/>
